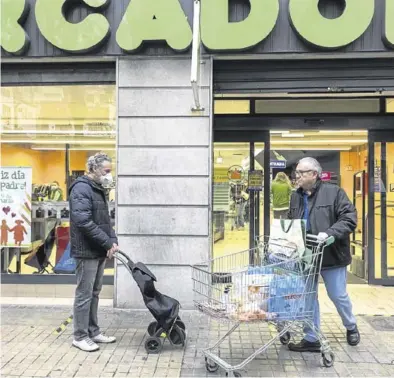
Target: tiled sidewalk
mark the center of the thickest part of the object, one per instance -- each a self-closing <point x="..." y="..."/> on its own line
<point x="29" y="347"/>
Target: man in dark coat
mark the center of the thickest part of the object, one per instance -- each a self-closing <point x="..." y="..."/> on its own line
<point x="92" y="240"/>
<point x="328" y="212"/>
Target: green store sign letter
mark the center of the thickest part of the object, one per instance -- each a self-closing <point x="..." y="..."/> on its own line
<point x="13" y="37"/>
<point x="165" y="20"/>
<point x="74" y="38"/>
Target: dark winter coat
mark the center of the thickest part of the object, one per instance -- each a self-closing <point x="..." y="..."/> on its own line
<point x="330" y="211"/>
<point x="91" y="234"/>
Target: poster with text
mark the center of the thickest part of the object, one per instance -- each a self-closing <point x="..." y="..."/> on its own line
<point x="15" y="205"/>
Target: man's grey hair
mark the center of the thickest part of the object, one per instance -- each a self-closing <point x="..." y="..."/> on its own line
<point x="97" y="161"/>
<point x="313" y="163"/>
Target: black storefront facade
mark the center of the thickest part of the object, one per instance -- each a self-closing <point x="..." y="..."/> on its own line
<point x="164" y="117"/>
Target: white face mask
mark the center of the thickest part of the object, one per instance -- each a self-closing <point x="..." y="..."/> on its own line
<point x="106" y="180"/>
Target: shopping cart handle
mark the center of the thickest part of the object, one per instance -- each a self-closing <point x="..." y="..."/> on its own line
<point x="330" y="240"/>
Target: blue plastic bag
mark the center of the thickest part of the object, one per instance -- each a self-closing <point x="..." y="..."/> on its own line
<point x="66" y="264"/>
<point x="288" y="297"/>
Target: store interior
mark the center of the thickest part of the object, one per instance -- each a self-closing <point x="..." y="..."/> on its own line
<point x="343" y="155"/>
<point x="53" y="130"/>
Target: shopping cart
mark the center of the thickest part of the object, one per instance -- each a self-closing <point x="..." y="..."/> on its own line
<point x="261" y="286"/>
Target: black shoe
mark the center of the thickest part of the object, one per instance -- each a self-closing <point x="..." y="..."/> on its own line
<point x="353" y="337"/>
<point x="305" y="346"/>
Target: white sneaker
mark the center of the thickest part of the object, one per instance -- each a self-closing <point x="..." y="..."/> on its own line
<point x="102" y="339"/>
<point x="87" y="345"/>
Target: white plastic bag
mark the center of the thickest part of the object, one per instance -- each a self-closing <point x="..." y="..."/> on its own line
<point x="287" y="240"/>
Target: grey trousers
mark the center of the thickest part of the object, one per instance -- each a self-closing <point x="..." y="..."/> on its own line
<point x="89" y="283"/>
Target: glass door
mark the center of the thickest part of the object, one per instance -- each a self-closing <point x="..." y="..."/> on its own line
<point x="238" y="195"/>
<point x="231" y="206"/>
<point x="381" y="208"/>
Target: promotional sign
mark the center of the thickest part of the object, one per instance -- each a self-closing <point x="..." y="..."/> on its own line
<point x="15" y="205"/>
<point x="326" y="176"/>
<point x="378" y="184"/>
<point x="236" y="173"/>
<point x="278" y="164"/>
<point x="255" y="180"/>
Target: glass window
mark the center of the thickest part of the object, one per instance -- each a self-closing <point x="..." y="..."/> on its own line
<point x="48" y="132"/>
<point x="232" y="106"/>
<point x="390" y="105"/>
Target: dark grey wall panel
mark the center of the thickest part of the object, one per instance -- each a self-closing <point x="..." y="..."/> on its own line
<point x="282" y="40"/>
<point x="50" y="73"/>
<point x="300" y="76"/>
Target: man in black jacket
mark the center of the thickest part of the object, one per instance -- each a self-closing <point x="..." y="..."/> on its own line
<point x="92" y="240"/>
<point x="328" y="212"/>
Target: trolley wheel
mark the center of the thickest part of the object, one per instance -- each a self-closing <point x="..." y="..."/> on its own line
<point x="284" y="339"/>
<point x="212" y="367"/>
<point x="328" y="359"/>
<point x="237" y="374"/>
<point x="152" y="328"/>
<point x="153" y="345"/>
<point x="177" y="336"/>
<point x="184" y="337"/>
<point x="180" y="324"/>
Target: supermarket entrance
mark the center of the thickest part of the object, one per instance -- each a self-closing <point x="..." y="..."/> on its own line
<point x="243" y="208"/>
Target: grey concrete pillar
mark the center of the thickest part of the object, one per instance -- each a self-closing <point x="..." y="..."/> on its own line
<point x="164" y="175"/>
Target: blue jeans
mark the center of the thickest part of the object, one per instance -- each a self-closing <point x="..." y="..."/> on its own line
<point x="335" y="282"/>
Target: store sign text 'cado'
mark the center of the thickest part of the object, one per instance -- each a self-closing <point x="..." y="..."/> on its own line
<point x="165" y="20"/>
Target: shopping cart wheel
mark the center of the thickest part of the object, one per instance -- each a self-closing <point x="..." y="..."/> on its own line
<point x="284" y="339"/>
<point x="152" y="328"/>
<point x="153" y="345"/>
<point x="328" y="359"/>
<point x="212" y="367"/>
<point x="237" y="374"/>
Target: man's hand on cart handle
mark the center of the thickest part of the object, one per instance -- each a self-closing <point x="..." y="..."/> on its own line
<point x="322" y="236"/>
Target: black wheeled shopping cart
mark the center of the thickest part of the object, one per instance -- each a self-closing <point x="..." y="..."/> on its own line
<point x="167" y="324"/>
<point x="262" y="285"/>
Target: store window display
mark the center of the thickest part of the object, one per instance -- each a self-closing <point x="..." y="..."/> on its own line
<point x="48" y="133"/>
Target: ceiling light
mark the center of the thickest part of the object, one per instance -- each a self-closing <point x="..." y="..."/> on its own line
<point x="293" y="135"/>
<point x="43" y="148"/>
<point x="70" y="141"/>
<point x="279" y="132"/>
<point x="219" y="159"/>
<point x="342" y="131"/>
<point x="315" y="148"/>
<point x="65" y="132"/>
<point x="322" y="141"/>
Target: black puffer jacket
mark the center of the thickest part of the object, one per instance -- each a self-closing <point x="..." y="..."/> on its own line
<point x="91" y="234"/>
<point x="330" y="211"/>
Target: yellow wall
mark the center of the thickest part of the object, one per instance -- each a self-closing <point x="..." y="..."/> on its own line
<point x="21" y="157"/>
<point x="357" y="161"/>
<point x="47" y="166"/>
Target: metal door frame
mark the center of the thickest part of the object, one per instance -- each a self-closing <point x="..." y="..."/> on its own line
<point x="383" y="137"/>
